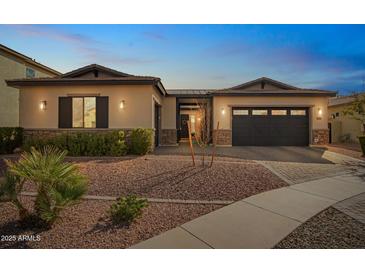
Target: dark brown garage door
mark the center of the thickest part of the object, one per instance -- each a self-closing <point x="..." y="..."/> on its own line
<point x="270" y="126"/>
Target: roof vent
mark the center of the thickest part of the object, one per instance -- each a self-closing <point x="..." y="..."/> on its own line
<point x="96" y="73"/>
<point x="262" y="84"/>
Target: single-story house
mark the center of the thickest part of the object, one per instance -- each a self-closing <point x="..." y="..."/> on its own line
<point x="343" y="128"/>
<point x="96" y="98"/>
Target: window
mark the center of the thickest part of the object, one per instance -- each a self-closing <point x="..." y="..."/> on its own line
<point x="259" y="112"/>
<point x="277" y="112"/>
<point x="299" y="112"/>
<point x="84" y="112"/>
<point x="29" y="73"/>
<point x="240" y="112"/>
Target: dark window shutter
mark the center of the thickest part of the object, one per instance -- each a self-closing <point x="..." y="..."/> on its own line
<point x="65" y="112"/>
<point x="102" y="112"/>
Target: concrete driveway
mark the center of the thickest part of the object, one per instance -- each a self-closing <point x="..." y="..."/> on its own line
<point x="282" y="154"/>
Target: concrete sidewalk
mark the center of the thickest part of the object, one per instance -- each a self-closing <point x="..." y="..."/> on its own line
<point x="260" y="221"/>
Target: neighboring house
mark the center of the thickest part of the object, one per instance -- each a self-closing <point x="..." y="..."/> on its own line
<point x="16" y="65"/>
<point x="95" y="98"/>
<point x="343" y="128"/>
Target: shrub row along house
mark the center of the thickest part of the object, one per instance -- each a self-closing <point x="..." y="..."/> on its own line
<point x="98" y="99"/>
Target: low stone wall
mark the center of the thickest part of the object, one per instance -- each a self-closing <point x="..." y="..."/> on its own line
<point x="224" y="137"/>
<point x="320" y="136"/>
<point x="168" y="137"/>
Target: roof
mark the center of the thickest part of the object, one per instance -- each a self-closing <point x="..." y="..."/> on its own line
<point x="298" y="91"/>
<point x="244" y="90"/>
<point x="266" y="80"/>
<point x="89" y="75"/>
<point x="28" y="60"/>
<point x="340" y="100"/>
<point x="187" y="92"/>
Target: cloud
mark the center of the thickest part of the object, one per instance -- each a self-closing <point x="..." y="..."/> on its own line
<point x="52" y="33"/>
<point x="88" y="49"/>
<point x="154" y="35"/>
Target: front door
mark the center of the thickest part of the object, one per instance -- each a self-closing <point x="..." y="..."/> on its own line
<point x="184" y="131"/>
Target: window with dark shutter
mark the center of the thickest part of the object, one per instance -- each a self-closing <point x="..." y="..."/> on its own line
<point x="102" y="112"/>
<point x="65" y="112"/>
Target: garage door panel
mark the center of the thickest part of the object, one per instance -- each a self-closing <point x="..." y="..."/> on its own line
<point x="274" y="130"/>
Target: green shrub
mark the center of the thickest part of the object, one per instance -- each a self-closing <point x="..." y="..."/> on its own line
<point x="59" y="184"/>
<point x="10" y="139"/>
<point x="83" y="143"/>
<point x="127" y="209"/>
<point x="141" y="141"/>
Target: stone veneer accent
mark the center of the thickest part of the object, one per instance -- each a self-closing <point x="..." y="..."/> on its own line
<point x="168" y="137"/>
<point x="224" y="137"/>
<point x="320" y="136"/>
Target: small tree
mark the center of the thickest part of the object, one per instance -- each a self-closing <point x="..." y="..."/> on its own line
<point x="356" y="110"/>
<point x="202" y="136"/>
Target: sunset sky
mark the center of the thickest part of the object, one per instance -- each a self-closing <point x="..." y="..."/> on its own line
<point x="204" y="56"/>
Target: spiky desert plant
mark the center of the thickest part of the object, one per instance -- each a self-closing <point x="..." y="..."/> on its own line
<point x="10" y="188"/>
<point x="59" y="183"/>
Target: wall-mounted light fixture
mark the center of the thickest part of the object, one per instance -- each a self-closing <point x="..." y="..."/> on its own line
<point x="199" y="119"/>
<point x="319" y="111"/>
<point x="223" y="111"/>
<point x="43" y="105"/>
<point x="122" y="104"/>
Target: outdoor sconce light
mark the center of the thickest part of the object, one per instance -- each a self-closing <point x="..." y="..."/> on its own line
<point x="43" y="105"/>
<point x="199" y="119"/>
<point x="122" y="104"/>
<point x="223" y="111"/>
<point x="319" y="111"/>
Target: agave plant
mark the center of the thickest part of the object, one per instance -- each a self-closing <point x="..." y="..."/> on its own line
<point x="59" y="183"/>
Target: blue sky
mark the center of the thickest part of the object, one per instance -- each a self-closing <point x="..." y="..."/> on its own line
<point x="204" y="56"/>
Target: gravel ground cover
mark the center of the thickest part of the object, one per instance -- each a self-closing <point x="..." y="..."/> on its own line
<point x="329" y="229"/>
<point x="86" y="226"/>
<point x="174" y="179"/>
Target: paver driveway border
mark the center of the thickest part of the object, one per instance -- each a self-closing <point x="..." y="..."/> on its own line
<point x="263" y="220"/>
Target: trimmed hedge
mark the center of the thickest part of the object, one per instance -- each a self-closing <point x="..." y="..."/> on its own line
<point x="10" y="139"/>
<point x="141" y="141"/>
<point x="83" y="143"/>
<point x="97" y="144"/>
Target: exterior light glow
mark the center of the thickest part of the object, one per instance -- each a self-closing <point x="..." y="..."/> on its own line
<point x="319" y="111"/>
<point x="43" y="105"/>
<point x="199" y="119"/>
<point x="223" y="111"/>
<point x="122" y="104"/>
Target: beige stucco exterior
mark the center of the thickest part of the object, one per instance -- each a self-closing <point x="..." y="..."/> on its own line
<point x="12" y="67"/>
<point x="318" y="119"/>
<point x="137" y="112"/>
<point x="169" y="113"/>
<point x="342" y="125"/>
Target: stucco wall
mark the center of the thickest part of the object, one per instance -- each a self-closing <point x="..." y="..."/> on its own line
<point x="12" y="68"/>
<point x="342" y="125"/>
<point x="227" y="102"/>
<point x="138" y="110"/>
<point x="169" y="113"/>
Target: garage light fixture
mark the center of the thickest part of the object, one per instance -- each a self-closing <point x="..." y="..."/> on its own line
<point x="223" y="111"/>
<point x="122" y="104"/>
<point x="43" y="105"/>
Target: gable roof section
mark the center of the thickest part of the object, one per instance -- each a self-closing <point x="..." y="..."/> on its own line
<point x="92" y="68"/>
<point x="28" y="60"/>
<point x="283" y="89"/>
<point x="109" y="77"/>
<point x="265" y="80"/>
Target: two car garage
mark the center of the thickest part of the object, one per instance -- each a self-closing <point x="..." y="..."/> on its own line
<point x="270" y="126"/>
